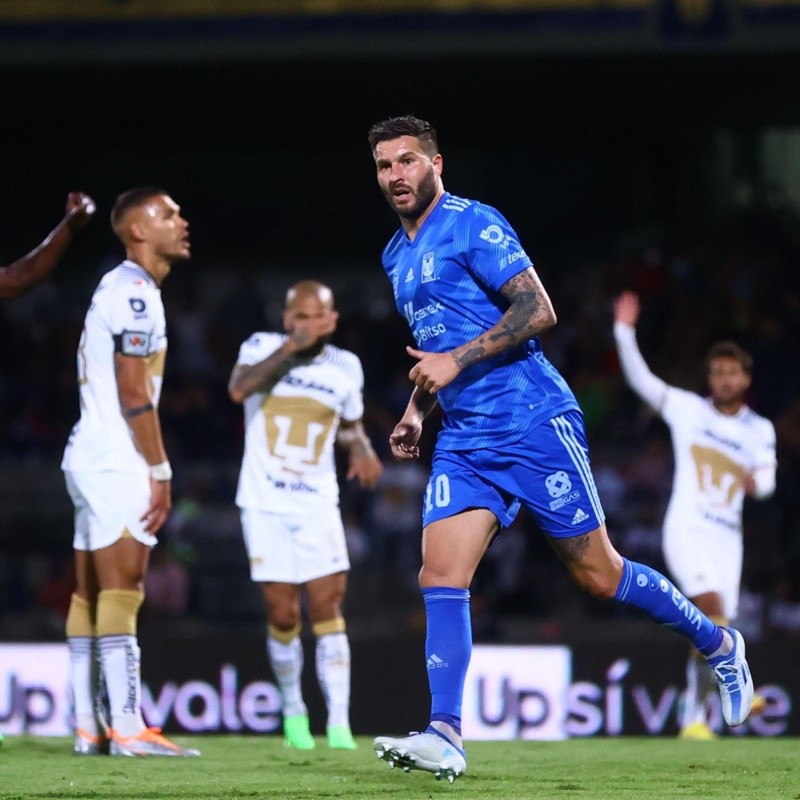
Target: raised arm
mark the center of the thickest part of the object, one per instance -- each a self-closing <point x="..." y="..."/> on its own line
<point x="637" y="374"/>
<point x="306" y="333"/>
<point x="529" y="314"/>
<point x="26" y="272"/>
<point x="248" y="378"/>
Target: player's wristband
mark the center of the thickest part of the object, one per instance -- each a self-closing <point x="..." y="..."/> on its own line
<point x="161" y="472"/>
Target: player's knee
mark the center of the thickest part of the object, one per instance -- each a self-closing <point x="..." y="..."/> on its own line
<point x="600" y="585"/>
<point x="284" y="617"/>
<point x="430" y="576"/>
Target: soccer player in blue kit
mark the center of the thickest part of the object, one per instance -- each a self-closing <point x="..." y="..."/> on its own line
<point x="512" y="434"/>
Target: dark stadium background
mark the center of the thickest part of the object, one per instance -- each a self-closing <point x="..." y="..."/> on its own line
<point x="626" y="144"/>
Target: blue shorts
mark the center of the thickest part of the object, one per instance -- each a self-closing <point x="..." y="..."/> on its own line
<point x="549" y="473"/>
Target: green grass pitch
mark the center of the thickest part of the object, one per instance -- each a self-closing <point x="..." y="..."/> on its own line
<point x="260" y="767"/>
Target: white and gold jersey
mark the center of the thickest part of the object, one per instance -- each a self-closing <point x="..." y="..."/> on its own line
<point x="126" y="316"/>
<point x="712" y="453"/>
<point x="290" y="428"/>
<point x="712" y="450"/>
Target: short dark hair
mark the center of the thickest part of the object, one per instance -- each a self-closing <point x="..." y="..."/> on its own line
<point x="729" y="349"/>
<point x="131" y="199"/>
<point x="408" y="125"/>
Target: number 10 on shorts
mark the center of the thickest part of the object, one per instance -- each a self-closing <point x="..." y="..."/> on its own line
<point x="438" y="493"/>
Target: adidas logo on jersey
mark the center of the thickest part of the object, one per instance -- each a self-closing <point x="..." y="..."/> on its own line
<point x="410" y="275"/>
<point x="580" y="516"/>
<point x="434" y="662"/>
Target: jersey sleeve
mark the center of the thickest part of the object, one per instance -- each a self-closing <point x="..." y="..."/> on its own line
<point x="765" y="462"/>
<point x="135" y="317"/>
<point x="679" y="404"/>
<point x="637" y="374"/>
<point x="258" y="347"/>
<point x="353" y="406"/>
<point x="491" y="247"/>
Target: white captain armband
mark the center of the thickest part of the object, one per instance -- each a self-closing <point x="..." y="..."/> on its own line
<point x="132" y="343"/>
<point x="161" y="472"/>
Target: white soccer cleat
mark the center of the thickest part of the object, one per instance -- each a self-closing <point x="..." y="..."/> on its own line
<point x="425" y="751"/>
<point x="149" y="742"/>
<point x="734" y="681"/>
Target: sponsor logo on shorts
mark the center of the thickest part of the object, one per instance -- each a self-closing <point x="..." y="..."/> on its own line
<point x="558" y="483"/>
<point x="564" y="501"/>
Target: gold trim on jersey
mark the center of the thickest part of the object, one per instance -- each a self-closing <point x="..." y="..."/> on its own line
<point x="297" y="429"/>
<point x="718" y="476"/>
<point x="156" y="362"/>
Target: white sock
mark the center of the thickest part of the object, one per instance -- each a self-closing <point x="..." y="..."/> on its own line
<point x="83" y="679"/>
<point x="333" y="673"/>
<point x="286" y="661"/>
<point x="700" y="683"/>
<point x="121" y="657"/>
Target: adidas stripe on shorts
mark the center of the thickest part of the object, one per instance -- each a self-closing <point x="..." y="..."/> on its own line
<point x="548" y="472"/>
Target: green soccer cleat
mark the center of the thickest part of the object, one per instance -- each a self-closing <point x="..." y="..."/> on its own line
<point x="297" y="733"/>
<point x="341" y="738"/>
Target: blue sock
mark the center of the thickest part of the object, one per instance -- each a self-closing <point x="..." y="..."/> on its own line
<point x="448" y="647"/>
<point x="657" y="597"/>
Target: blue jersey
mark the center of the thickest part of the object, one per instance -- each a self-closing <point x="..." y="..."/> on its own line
<point x="446" y="283"/>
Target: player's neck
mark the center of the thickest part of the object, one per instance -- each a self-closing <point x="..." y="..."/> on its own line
<point x="730" y="408"/>
<point x="413" y="226"/>
<point x="156" y="266"/>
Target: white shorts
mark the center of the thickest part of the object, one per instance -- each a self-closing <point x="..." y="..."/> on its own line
<point x="289" y="548"/>
<point x="703" y="561"/>
<point x="107" y="504"/>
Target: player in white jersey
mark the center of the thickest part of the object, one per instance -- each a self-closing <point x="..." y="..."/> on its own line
<point x="301" y="395"/>
<point x="723" y="451"/>
<point x="118" y="475"/>
<point x="32" y="268"/>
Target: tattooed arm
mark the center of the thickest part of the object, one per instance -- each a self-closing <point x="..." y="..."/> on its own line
<point x="530" y="313"/>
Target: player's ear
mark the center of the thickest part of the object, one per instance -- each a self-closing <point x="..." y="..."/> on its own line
<point x="135" y="232"/>
<point x="438" y="163"/>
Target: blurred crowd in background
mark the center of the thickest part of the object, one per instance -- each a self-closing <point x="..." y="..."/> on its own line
<point x="736" y="278"/>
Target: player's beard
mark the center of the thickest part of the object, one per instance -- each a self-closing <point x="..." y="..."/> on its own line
<point x="426" y="191"/>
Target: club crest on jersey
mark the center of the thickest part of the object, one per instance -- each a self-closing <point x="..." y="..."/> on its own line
<point x="428" y="271"/>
